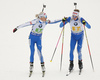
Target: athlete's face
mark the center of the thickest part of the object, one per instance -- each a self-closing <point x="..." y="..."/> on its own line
<point x="43" y="18"/>
<point x="75" y="17"/>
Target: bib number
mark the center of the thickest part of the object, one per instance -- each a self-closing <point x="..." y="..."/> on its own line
<point x="76" y="29"/>
<point x="38" y="30"/>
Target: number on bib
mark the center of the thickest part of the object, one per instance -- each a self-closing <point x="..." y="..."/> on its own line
<point x="76" y="28"/>
<point x="38" y="30"/>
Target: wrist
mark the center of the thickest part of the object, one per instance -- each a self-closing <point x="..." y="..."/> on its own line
<point x="17" y="27"/>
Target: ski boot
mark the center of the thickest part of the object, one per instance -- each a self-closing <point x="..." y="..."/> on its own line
<point x="80" y="64"/>
<point x="71" y="66"/>
<point x="43" y="69"/>
<point x="31" y="69"/>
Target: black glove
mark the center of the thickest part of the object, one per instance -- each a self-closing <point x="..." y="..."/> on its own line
<point x="64" y="19"/>
<point x="14" y="30"/>
<point x="84" y="22"/>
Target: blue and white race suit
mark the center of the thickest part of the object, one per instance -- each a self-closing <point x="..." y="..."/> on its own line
<point x="36" y="35"/>
<point x="77" y="33"/>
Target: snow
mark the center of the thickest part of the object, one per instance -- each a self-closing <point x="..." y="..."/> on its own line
<point x="15" y="52"/>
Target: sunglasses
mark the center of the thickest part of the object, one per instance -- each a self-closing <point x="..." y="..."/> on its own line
<point x="45" y="16"/>
<point x="74" y="16"/>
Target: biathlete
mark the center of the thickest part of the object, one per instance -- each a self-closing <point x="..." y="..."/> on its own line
<point x="38" y="25"/>
<point x="77" y="32"/>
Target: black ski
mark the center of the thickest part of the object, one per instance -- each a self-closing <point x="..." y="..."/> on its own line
<point x="80" y="71"/>
<point x="70" y="71"/>
<point x="30" y="73"/>
<point x="43" y="73"/>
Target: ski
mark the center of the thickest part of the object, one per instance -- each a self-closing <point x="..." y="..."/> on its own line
<point x="43" y="73"/>
<point x="80" y="71"/>
<point x="30" y="73"/>
<point x="70" y="71"/>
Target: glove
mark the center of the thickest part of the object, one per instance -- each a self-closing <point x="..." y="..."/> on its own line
<point x="48" y="21"/>
<point x="14" y="30"/>
<point x="64" y="19"/>
<point x="84" y="22"/>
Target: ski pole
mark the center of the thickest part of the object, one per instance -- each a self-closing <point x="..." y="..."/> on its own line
<point x="62" y="48"/>
<point x="88" y="48"/>
<point x="56" y="45"/>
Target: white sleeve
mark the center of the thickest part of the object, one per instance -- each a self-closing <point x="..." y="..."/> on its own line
<point x="54" y="21"/>
<point x="27" y="24"/>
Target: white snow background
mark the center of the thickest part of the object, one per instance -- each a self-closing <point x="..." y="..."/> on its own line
<point x="14" y="47"/>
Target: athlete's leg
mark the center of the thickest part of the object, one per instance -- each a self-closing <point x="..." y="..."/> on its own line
<point x="39" y="49"/>
<point x="72" y="47"/>
<point x="79" y="47"/>
<point x="32" y="49"/>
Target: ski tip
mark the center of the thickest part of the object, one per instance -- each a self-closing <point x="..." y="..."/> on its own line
<point x="66" y="74"/>
<point x="50" y="60"/>
<point x="43" y="73"/>
<point x="29" y="75"/>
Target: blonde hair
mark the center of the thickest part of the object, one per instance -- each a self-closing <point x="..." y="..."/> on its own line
<point x="37" y="15"/>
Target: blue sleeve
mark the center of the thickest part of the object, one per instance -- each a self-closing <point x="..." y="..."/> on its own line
<point x="68" y="20"/>
<point x="87" y="25"/>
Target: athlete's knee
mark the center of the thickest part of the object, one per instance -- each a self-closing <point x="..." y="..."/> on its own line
<point x="39" y="47"/>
